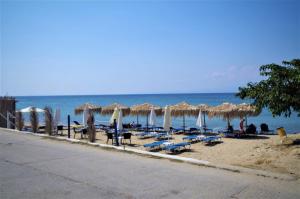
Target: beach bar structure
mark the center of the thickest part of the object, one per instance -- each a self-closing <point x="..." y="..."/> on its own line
<point x="7" y="112"/>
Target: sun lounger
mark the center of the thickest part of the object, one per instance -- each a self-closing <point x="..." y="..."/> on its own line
<point x="156" y="145"/>
<point x="144" y="135"/>
<point x="178" y="130"/>
<point x="172" y="148"/>
<point x="194" y="138"/>
<point x="162" y="136"/>
<point x="211" y="139"/>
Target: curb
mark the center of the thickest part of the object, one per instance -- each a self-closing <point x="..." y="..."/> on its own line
<point x="193" y="161"/>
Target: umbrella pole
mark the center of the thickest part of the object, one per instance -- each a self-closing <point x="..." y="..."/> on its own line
<point x="246" y="121"/>
<point x="183" y="123"/>
<point x="228" y="123"/>
<point x="204" y="122"/>
<point x="137" y="119"/>
<point x="147" y="124"/>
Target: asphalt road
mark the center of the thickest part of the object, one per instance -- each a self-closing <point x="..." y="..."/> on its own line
<point x="34" y="167"/>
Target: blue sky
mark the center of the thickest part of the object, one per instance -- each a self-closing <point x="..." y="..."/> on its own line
<point x="98" y="47"/>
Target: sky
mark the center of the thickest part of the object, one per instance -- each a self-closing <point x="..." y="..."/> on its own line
<point x="137" y="47"/>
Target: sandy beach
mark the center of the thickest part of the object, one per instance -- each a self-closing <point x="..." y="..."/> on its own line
<point x="264" y="152"/>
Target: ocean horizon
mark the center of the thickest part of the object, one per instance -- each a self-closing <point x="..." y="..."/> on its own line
<point x="67" y="104"/>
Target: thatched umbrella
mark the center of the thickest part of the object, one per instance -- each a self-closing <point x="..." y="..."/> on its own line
<point x="182" y="109"/>
<point x="88" y="106"/>
<point x="108" y="110"/>
<point x="203" y="108"/>
<point x="245" y="110"/>
<point x="226" y="110"/>
<point x="145" y="109"/>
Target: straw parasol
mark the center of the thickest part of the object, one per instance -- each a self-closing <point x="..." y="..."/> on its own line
<point x="94" y="108"/>
<point x="182" y="109"/>
<point x="226" y="110"/>
<point x="108" y="110"/>
<point x="245" y="110"/>
<point x="203" y="109"/>
<point x="145" y="109"/>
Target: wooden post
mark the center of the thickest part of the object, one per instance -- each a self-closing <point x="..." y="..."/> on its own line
<point x="147" y="124"/>
<point x="183" y="123"/>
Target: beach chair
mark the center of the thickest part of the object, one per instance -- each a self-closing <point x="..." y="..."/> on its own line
<point x="156" y="145"/>
<point x="144" y="135"/>
<point x="172" y="148"/>
<point x="82" y="131"/>
<point x="211" y="139"/>
<point x="60" y="128"/>
<point x="162" y="136"/>
<point x="126" y="136"/>
<point x="177" y="130"/>
<point x="110" y="136"/>
<point x="77" y="123"/>
<point x="193" y="131"/>
<point x="194" y="138"/>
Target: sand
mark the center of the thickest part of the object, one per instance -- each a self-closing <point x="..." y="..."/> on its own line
<point x="259" y="152"/>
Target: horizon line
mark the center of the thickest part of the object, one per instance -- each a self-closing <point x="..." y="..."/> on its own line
<point x="119" y="94"/>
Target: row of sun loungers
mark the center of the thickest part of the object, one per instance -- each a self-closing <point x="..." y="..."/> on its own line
<point x="167" y="146"/>
<point x="176" y="147"/>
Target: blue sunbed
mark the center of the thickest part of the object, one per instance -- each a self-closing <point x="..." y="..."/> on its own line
<point x="146" y="134"/>
<point x="177" y="147"/>
<point x="192" y="138"/>
<point x="162" y="136"/>
<point x="154" y="145"/>
<point x="210" y="139"/>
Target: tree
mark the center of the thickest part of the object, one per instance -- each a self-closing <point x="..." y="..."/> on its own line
<point x="279" y="91"/>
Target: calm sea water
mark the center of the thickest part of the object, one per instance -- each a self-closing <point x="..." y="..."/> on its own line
<point x="67" y="105"/>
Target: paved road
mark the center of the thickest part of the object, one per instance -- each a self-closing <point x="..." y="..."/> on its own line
<point x="33" y="167"/>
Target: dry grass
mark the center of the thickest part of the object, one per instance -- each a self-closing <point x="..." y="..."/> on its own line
<point x="19" y="121"/>
<point x="34" y="120"/>
<point x="48" y="120"/>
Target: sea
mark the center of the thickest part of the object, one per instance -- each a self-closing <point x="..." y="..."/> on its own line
<point x="67" y="104"/>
